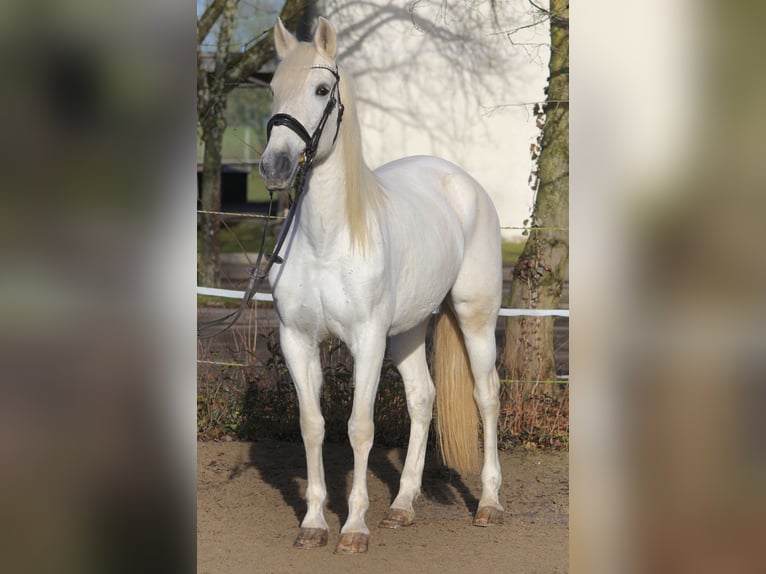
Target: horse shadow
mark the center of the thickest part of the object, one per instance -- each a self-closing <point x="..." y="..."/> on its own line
<point x="283" y="467"/>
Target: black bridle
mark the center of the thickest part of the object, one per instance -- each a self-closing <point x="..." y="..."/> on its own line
<point x="307" y="161"/>
<point x="311" y="141"/>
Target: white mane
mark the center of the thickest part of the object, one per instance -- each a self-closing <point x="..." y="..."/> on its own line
<point x="364" y="195"/>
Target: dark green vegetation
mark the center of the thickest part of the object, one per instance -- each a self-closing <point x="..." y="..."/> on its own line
<point x="259" y="402"/>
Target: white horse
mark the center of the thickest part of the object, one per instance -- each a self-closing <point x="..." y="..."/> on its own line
<point x="372" y="255"/>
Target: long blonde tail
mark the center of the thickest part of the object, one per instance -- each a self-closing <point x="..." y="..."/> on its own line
<point x="457" y="420"/>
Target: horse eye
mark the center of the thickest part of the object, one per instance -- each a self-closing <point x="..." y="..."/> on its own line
<point x="322" y="90"/>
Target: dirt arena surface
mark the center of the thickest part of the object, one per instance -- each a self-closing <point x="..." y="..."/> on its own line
<point x="250" y="503"/>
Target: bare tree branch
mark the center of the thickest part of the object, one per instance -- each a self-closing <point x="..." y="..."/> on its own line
<point x="449" y="52"/>
<point x="539" y="8"/>
<point x="208" y="19"/>
<point x="244" y="64"/>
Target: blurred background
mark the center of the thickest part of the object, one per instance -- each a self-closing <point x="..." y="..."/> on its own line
<point x="667" y="288"/>
<point x="97" y="328"/>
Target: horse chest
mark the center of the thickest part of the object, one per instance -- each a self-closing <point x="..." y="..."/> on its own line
<point x="328" y="297"/>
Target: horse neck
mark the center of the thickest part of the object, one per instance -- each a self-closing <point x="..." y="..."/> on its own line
<point x="323" y="213"/>
<point x="327" y="209"/>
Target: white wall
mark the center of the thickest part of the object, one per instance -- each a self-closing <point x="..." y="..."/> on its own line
<point x="443" y="79"/>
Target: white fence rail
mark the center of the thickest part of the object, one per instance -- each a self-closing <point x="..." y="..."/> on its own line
<point x="266" y="297"/>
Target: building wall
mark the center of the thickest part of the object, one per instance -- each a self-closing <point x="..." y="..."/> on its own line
<point x="444" y="78"/>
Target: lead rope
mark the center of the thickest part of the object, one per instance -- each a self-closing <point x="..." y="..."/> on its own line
<point x="256" y="275"/>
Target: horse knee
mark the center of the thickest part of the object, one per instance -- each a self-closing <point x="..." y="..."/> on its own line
<point x="420" y="404"/>
<point x="360" y="431"/>
<point x="487" y="398"/>
<point x="312" y="429"/>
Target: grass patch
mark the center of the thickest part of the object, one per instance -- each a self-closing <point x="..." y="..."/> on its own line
<point x="245" y="236"/>
<point x="512" y="250"/>
<point x="256" y="189"/>
<point x="248" y="233"/>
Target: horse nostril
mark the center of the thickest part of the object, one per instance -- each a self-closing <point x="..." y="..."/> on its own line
<point x="282" y="164"/>
<point x="277" y="169"/>
<point x="276" y="165"/>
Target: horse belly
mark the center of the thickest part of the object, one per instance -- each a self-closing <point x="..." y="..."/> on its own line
<point x="412" y="307"/>
<point x="432" y="204"/>
<point x="424" y="276"/>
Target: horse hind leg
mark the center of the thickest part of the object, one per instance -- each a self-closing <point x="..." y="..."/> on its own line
<point x="408" y="351"/>
<point x="476" y="296"/>
<point x="486" y="393"/>
<point x="478" y="328"/>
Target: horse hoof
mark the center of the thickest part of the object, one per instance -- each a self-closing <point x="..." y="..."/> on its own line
<point x="352" y="543"/>
<point x="397" y="517"/>
<point x="487" y="515"/>
<point x="311" y="538"/>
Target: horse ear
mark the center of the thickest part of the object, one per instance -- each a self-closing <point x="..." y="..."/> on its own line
<point x="284" y="41"/>
<point x="324" y="38"/>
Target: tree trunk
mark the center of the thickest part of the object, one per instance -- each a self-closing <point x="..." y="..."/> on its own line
<point x="539" y="275"/>
<point x="208" y="273"/>
<point x="211" y="111"/>
<point x="213" y="87"/>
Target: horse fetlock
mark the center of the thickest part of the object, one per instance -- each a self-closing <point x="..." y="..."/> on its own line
<point x="316" y="520"/>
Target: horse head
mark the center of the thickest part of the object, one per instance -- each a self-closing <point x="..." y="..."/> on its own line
<point x="306" y="98"/>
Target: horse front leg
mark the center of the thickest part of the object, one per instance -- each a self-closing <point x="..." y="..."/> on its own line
<point x="408" y="351"/>
<point x="368" y="359"/>
<point x="303" y="362"/>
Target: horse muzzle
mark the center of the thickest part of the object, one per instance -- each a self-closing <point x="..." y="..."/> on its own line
<point x="278" y="170"/>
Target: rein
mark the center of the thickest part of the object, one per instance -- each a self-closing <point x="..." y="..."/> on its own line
<point x="305" y="164"/>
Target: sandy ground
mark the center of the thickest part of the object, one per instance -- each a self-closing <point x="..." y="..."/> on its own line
<point x="250" y="502"/>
